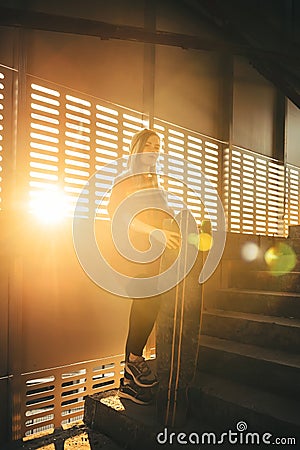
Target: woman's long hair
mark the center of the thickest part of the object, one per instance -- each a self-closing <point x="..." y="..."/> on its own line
<point x="137" y="146"/>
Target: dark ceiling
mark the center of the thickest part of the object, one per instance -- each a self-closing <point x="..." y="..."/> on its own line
<point x="266" y="32"/>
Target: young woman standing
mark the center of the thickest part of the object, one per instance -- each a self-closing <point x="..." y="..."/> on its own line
<point x="140" y="180"/>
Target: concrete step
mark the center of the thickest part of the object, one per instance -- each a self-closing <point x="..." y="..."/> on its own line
<point x="264" y="280"/>
<point x="295" y="244"/>
<point x="131" y="426"/>
<point x="136" y="427"/>
<point x="259" y="302"/>
<point x="265" y="331"/>
<point x="294" y="231"/>
<point x="227" y="403"/>
<point x="297" y="266"/>
<point x="267" y="369"/>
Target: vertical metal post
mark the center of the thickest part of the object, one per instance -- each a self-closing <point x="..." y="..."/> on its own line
<point x="278" y="150"/>
<point x="226" y="72"/>
<point x="289" y="28"/>
<point x="279" y="127"/>
<point x="149" y="62"/>
<point x="286" y="205"/>
<point x="226" y="85"/>
<point x="16" y="217"/>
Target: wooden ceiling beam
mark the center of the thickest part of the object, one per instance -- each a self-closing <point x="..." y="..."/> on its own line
<point x="72" y="25"/>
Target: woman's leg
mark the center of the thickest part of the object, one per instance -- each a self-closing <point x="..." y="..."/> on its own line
<point x="141" y="321"/>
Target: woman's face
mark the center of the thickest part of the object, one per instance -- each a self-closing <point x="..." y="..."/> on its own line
<point x="151" y="151"/>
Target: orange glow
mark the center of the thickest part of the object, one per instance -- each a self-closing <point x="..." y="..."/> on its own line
<point x="48" y="206"/>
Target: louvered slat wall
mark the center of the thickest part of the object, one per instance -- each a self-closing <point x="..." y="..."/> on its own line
<point x="253" y="193"/>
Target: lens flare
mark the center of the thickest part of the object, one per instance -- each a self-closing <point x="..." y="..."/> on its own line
<point x="193" y="239"/>
<point x="281" y="259"/>
<point x="250" y="251"/>
<point x="203" y="241"/>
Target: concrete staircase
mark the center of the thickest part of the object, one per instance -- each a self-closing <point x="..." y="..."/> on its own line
<point x="248" y="376"/>
<point x="249" y="361"/>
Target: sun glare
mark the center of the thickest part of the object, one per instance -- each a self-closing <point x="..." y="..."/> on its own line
<point x="48" y="206"/>
<point x="280" y="259"/>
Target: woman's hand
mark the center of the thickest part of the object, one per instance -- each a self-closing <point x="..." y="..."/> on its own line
<point x="170" y="239"/>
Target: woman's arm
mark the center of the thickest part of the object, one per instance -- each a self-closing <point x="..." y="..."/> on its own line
<point x="170" y="238"/>
<point x="119" y="192"/>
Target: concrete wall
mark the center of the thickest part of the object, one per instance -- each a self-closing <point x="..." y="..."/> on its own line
<point x="187" y="88"/>
<point x="4" y="381"/>
<point x="112" y="70"/>
<point x="4" y="411"/>
<point x="293" y="134"/>
<point x="253" y="109"/>
<point x="7" y="46"/>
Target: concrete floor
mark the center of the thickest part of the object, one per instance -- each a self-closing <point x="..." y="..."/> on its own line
<point x="77" y="437"/>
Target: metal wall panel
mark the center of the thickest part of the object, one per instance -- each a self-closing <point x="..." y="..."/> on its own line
<point x="6" y="153"/>
<point x="254" y="189"/>
<point x="66" y="317"/>
<point x="253" y="109"/>
<point x="55" y="397"/>
<point x="112" y="70"/>
<point x="6" y="135"/>
<point x="4" y="411"/>
<point x="187" y="85"/>
<point x="4" y="270"/>
<point x="6" y="46"/>
<point x="292" y="195"/>
<point x="292" y="134"/>
<point x="204" y="155"/>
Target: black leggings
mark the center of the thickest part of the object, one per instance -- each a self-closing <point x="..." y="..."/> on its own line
<point x="143" y="314"/>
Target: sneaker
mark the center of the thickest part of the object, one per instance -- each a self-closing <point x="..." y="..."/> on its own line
<point x="140" y="372"/>
<point x="129" y="390"/>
